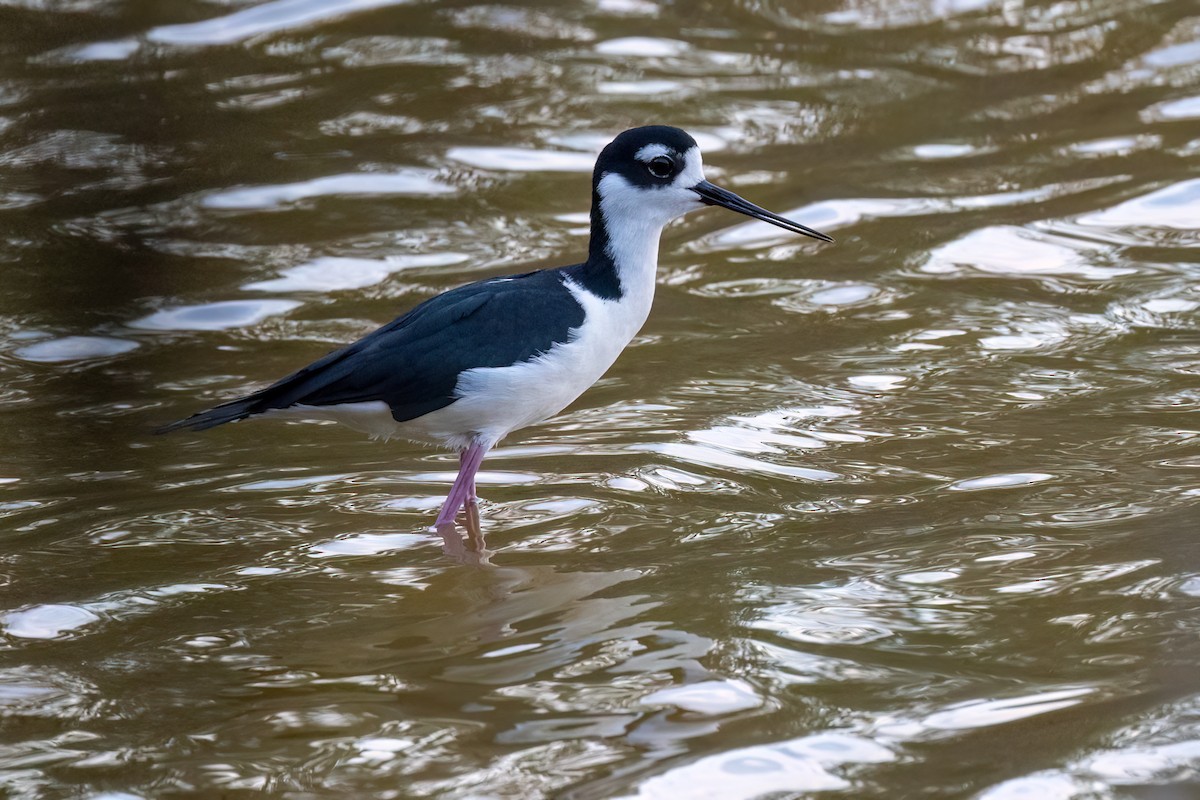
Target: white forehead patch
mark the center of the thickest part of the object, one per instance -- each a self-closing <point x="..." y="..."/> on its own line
<point x="652" y="151"/>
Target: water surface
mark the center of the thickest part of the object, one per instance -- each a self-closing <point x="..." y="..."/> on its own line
<point x="912" y="515"/>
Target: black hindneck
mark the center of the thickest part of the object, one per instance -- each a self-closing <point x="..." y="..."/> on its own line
<point x="599" y="273"/>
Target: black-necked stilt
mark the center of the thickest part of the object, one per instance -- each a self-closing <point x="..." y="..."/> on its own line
<point x="466" y="368"/>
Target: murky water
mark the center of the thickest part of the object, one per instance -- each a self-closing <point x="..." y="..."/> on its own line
<point x="912" y="515"/>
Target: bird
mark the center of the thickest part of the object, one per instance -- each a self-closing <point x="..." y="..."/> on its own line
<point x="467" y="367"/>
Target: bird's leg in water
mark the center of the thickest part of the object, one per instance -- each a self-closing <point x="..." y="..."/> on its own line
<point x="471" y="510"/>
<point x="469" y="463"/>
<point x="474" y="531"/>
<point x="471" y="550"/>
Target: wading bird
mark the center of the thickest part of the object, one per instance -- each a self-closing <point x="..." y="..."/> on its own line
<point x="467" y="367"/>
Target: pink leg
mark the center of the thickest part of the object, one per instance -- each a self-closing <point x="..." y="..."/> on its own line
<point x="472" y="495"/>
<point x="464" y="484"/>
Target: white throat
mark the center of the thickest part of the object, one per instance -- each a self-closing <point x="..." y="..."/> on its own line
<point x="633" y="236"/>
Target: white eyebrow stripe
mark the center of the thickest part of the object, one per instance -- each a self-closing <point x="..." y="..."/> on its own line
<point x="652" y="151"/>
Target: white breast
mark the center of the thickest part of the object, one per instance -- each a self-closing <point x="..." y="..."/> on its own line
<point x="494" y="401"/>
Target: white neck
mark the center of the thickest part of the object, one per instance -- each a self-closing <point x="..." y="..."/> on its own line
<point x="633" y="247"/>
<point x="633" y="240"/>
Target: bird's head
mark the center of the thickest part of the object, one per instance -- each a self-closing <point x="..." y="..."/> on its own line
<point x="656" y="174"/>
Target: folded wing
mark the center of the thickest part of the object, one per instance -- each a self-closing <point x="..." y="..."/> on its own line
<point x="413" y="362"/>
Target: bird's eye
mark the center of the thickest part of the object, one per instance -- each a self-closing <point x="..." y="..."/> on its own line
<point x="661" y="166"/>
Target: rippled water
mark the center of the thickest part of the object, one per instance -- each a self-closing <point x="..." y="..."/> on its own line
<point x="913" y="515"/>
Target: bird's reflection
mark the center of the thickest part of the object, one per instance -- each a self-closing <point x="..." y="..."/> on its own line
<point x="452" y="625"/>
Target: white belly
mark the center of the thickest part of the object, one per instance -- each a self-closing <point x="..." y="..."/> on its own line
<point x="494" y="401"/>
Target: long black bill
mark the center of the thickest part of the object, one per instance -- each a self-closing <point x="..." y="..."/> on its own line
<point x="714" y="195"/>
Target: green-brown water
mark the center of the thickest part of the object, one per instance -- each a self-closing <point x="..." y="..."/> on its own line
<point x="909" y="516"/>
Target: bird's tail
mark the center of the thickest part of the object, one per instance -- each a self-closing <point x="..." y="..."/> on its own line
<point x="285" y="392"/>
<point x="217" y="415"/>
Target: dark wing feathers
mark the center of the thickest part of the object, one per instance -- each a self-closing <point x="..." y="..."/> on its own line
<point x="413" y="362"/>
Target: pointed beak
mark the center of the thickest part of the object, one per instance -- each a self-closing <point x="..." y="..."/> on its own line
<point x="716" y="196"/>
